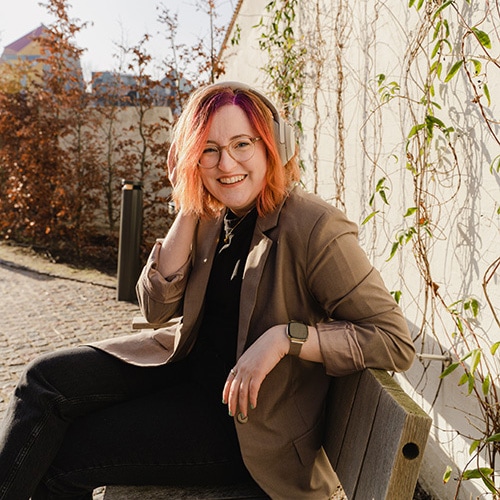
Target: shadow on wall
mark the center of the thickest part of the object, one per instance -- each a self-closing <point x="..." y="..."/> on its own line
<point x="451" y="410"/>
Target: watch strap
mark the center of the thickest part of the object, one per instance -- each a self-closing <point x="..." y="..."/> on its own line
<point x="297" y="333"/>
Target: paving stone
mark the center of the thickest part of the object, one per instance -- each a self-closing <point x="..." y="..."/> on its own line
<point x="43" y="308"/>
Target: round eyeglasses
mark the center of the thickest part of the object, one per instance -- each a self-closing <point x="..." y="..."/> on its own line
<point x="240" y="149"/>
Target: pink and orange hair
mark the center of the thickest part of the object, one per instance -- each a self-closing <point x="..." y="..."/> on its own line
<point x="190" y="136"/>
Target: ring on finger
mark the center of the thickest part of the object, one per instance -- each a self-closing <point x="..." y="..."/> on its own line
<point x="233" y="372"/>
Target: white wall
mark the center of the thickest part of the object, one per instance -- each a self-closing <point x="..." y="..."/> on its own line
<point x="462" y="199"/>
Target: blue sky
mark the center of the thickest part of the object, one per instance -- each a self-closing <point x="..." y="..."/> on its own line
<point x="111" y="22"/>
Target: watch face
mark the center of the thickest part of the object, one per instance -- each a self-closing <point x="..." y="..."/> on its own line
<point x="298" y="331"/>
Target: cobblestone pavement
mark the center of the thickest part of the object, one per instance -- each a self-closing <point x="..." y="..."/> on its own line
<point x="45" y="306"/>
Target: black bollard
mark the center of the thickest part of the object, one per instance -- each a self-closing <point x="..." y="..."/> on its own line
<point x="129" y="264"/>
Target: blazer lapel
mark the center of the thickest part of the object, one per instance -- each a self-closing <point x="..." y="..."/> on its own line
<point x="207" y="239"/>
<point x="254" y="267"/>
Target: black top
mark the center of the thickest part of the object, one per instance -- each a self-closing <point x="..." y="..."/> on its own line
<point x="214" y="353"/>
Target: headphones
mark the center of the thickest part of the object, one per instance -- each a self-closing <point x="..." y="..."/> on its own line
<point x="283" y="132"/>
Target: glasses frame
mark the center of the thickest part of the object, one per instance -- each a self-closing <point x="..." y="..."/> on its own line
<point x="253" y="140"/>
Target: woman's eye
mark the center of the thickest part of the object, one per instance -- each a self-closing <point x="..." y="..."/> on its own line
<point x="242" y="144"/>
<point x="210" y="150"/>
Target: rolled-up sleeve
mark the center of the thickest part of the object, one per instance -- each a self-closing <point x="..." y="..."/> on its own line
<point x="160" y="298"/>
<point x="367" y="328"/>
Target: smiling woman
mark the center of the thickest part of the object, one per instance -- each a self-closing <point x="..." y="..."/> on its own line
<point x="266" y="293"/>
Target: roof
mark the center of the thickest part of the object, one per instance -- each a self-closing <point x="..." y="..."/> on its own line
<point x="20" y="43"/>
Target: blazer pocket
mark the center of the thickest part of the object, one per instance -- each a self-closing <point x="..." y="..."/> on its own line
<point x="308" y="445"/>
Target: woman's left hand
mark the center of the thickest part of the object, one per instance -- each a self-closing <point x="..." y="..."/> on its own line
<point x="244" y="380"/>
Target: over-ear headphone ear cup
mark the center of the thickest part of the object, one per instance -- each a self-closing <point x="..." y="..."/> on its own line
<point x="283" y="131"/>
<point x="285" y="140"/>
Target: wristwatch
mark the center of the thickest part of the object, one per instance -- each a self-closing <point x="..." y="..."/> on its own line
<point x="297" y="333"/>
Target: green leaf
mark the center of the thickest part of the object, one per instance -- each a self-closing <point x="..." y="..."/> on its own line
<point x="415" y="129"/>
<point x="453" y="70"/>
<point x="370" y="217"/>
<point x="495" y="438"/>
<point x="383" y="196"/>
<point x="474" y="445"/>
<point x="486" y="385"/>
<point x="472" y="383"/>
<point x="467" y="356"/>
<point x="486" y="91"/>
<point x="476" y="358"/>
<point x="463" y="379"/>
<point x="490" y="485"/>
<point x="394" y="249"/>
<point x="494" y="348"/>
<point x="436" y="30"/>
<point x="397" y="295"/>
<point x="447" y="474"/>
<point x="477" y="66"/>
<point x="410" y="211"/>
<point x="477" y="473"/>
<point x="449" y="369"/>
<point x="435" y="122"/>
<point x="483" y="37"/>
<point x="443" y="6"/>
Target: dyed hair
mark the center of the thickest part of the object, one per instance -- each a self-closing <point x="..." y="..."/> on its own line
<point x="190" y="136"/>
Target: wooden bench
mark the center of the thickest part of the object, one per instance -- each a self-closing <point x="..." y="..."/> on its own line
<point x="375" y="439"/>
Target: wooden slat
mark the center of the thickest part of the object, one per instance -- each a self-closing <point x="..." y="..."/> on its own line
<point x="358" y="433"/>
<point x="233" y="492"/>
<point x="340" y="401"/>
<point x="395" y="450"/>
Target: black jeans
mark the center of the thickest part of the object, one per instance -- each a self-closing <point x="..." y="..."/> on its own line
<point x="80" y="418"/>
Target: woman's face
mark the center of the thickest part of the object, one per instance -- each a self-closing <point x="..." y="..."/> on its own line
<point x="235" y="184"/>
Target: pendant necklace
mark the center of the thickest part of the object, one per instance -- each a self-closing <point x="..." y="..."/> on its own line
<point x="228" y="230"/>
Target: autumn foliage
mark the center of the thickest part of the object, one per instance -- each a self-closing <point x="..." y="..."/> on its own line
<point x="63" y="154"/>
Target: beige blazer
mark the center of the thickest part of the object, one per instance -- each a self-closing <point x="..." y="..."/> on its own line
<point x="304" y="264"/>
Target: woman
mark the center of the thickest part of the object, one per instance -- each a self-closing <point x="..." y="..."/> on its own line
<point x="268" y="294"/>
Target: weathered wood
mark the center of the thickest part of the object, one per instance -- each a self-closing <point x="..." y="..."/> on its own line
<point x="386" y="465"/>
<point x="358" y="433"/>
<point x="233" y="492"/>
<point x="340" y="400"/>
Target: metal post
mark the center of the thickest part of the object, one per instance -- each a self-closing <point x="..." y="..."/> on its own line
<point x="129" y="264"/>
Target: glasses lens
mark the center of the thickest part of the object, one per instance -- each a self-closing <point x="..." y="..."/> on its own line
<point x="241" y="149"/>
<point x="209" y="156"/>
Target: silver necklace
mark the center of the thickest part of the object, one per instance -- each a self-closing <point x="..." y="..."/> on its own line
<point x="228" y="230"/>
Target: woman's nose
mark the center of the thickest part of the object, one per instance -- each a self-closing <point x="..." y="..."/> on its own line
<point x="226" y="163"/>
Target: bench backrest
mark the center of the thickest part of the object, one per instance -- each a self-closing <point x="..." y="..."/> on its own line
<point x="375" y="436"/>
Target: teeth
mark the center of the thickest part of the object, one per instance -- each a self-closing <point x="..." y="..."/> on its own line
<point x="232" y="180"/>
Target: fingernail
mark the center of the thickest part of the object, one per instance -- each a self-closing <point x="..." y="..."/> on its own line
<point x="230" y="414"/>
<point x="252" y="407"/>
<point x="224" y="402"/>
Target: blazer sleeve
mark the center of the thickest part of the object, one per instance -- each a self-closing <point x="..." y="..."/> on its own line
<point x="161" y="298"/>
<point x="367" y="328"/>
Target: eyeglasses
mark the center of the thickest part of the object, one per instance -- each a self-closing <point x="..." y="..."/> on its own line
<point x="240" y="149"/>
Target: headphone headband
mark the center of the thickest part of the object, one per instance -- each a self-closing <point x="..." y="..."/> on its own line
<point x="283" y="132"/>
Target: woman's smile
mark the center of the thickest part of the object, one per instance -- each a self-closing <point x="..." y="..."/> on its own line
<point x="229" y="181"/>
